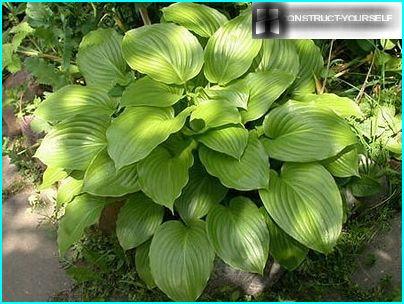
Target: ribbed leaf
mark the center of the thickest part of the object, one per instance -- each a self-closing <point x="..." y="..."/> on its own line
<point x="239" y="234"/>
<point x="100" y="59"/>
<point x="230" y="140"/>
<point x="304" y="133"/>
<point x="166" y="52"/>
<point x="73" y="143"/>
<point x="200" y="195"/>
<point x="311" y="64"/>
<point x="102" y="179"/>
<point x="235" y="94"/>
<point x="163" y="174"/>
<point x="75" y="99"/>
<point x="212" y="114"/>
<point x="230" y="51"/>
<point x="148" y="92"/>
<point x="342" y="106"/>
<point x="82" y="212"/>
<point x="68" y="189"/>
<point x="142" y="263"/>
<point x="249" y="173"/>
<point x="285" y="250"/>
<point x="265" y="88"/>
<point x="305" y="202"/>
<point x="345" y="164"/>
<point x="137" y="220"/>
<point x="137" y="131"/>
<point x="198" y="18"/>
<point x="181" y="259"/>
<point x="278" y="54"/>
<point x="51" y="176"/>
<point x="365" y="186"/>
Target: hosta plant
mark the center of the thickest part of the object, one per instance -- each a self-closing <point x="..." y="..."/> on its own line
<point x="216" y="143"/>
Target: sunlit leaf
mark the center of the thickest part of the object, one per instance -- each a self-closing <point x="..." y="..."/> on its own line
<point x="345" y="164"/>
<point x="198" y="18"/>
<point x="239" y="234"/>
<point x="68" y="189"/>
<point x="304" y="201"/>
<point x="181" y="259"/>
<point x="137" y="220"/>
<point x="166" y="52"/>
<point x="51" y="176"/>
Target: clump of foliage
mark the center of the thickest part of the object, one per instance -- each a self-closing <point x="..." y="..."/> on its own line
<point x="215" y="142"/>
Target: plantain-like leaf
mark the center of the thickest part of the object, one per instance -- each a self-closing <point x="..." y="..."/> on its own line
<point x="212" y="114"/>
<point x="239" y="235"/>
<point x="264" y="89"/>
<point x="278" y="54"/>
<point x="345" y="164"/>
<point x="311" y="64"/>
<point x="198" y="18"/>
<point x="142" y="263"/>
<point x="82" y="212"/>
<point x="73" y="143"/>
<point x="51" y="176"/>
<point x="181" y="259"/>
<point x="100" y="59"/>
<point x="166" y="52"/>
<point x="305" y="202"/>
<point x="230" y="51"/>
<point x="68" y="189"/>
<point x="137" y="220"/>
<point x="200" y="195"/>
<point x="249" y="173"/>
<point x="102" y="179"/>
<point x="342" y="106"/>
<point x="365" y="186"/>
<point x="164" y="173"/>
<point x="148" y="92"/>
<point x="285" y="250"/>
<point x="137" y="131"/>
<point x="236" y="94"/>
<point x="305" y="133"/>
<point x="73" y="100"/>
<point x="230" y="140"/>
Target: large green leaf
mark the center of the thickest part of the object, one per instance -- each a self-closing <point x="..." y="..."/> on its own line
<point x="68" y="189"/>
<point x="278" y="54"/>
<point x="230" y="51"/>
<point x="137" y="220"/>
<point x="200" y="195"/>
<point x="212" y="114"/>
<point x="137" y="131"/>
<point x="142" y="263"/>
<point x="82" y="212"/>
<point x="166" y="52"/>
<point x="75" y="99"/>
<point x="342" y="106"/>
<point x="163" y="174"/>
<point x="236" y="94"/>
<point x="198" y="18"/>
<point x="230" y="140"/>
<point x="102" y="179"/>
<point x="100" y="59"/>
<point x="73" y="143"/>
<point x="305" y="133"/>
<point x="264" y="89"/>
<point x="345" y="164"/>
<point x="148" y="92"/>
<point x="249" y="173"/>
<point x="285" y="250"/>
<point x="311" y="64"/>
<point x="305" y="202"/>
<point x="239" y="234"/>
<point x="51" y="176"/>
<point x="181" y="259"/>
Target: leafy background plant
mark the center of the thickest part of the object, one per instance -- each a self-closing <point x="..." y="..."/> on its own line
<point x="194" y="96"/>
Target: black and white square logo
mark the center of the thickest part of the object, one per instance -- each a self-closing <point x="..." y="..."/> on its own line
<point x="268" y="20"/>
